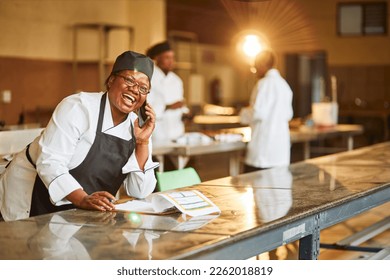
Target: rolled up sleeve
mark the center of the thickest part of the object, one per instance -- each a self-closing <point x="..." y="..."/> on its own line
<point x="140" y="183"/>
<point x="61" y="187"/>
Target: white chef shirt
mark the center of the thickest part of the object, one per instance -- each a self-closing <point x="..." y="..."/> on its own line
<point x="63" y="145"/>
<point x="271" y="104"/>
<point x="165" y="90"/>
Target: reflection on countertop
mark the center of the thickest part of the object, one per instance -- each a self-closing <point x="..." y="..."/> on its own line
<point x="78" y="234"/>
<point x="250" y="204"/>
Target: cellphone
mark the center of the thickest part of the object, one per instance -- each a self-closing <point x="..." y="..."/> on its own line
<point x="142" y="117"/>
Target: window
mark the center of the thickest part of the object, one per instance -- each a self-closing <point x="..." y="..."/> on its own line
<point x="362" y="18"/>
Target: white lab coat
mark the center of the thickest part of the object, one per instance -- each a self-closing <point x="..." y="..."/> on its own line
<point x="165" y="90"/>
<point x="271" y="105"/>
<point x="63" y="145"/>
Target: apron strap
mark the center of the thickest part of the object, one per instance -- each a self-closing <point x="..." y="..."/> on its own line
<point x="29" y="157"/>
<point x="100" y="120"/>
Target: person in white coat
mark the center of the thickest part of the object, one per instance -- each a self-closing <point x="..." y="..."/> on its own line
<point x="271" y="110"/>
<point x="166" y="96"/>
<point x="90" y="148"/>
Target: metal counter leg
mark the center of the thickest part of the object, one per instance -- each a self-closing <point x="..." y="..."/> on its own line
<point x="309" y="247"/>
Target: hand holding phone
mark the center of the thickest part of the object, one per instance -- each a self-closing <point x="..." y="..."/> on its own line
<point x="142" y="117"/>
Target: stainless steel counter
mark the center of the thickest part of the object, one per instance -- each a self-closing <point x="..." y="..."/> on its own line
<point x="259" y="212"/>
<point x="181" y="154"/>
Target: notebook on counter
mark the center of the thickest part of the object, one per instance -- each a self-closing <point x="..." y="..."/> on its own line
<point x="189" y="202"/>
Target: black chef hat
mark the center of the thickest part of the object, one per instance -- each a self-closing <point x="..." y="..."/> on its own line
<point x="133" y="61"/>
<point x="155" y="50"/>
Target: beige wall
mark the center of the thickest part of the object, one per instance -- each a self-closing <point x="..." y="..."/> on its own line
<point x="309" y="26"/>
<point x="42" y="29"/>
<point x="36" y="48"/>
<point x="361" y="63"/>
<point x="354" y="50"/>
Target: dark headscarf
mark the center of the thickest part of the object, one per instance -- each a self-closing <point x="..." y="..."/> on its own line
<point x="133" y="61"/>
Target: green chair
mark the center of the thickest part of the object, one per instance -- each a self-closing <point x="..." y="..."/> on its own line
<point x="174" y="179"/>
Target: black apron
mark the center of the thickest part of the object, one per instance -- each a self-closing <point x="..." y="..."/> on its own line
<point x="101" y="170"/>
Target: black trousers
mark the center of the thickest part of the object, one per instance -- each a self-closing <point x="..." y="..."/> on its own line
<point x="250" y="168"/>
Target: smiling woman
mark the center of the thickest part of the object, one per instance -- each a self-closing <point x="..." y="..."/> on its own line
<point x="91" y="146"/>
<point x="128" y="93"/>
<point x="130" y="81"/>
<point x="124" y="96"/>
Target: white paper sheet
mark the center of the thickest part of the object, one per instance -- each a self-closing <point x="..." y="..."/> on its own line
<point x="192" y="203"/>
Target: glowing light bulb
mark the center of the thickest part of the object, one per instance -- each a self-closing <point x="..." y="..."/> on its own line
<point x="252" y="45"/>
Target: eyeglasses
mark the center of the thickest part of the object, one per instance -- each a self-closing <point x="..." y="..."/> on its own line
<point x="131" y="82"/>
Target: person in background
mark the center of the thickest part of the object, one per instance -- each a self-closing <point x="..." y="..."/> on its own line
<point x="91" y="147"/>
<point x="270" y="112"/>
<point x="166" y="96"/>
<point x="215" y="91"/>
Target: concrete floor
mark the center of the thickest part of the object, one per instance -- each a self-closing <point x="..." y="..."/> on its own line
<point x="354" y="225"/>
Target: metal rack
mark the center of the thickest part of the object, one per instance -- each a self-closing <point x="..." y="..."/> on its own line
<point x="103" y="31"/>
<point x="184" y="43"/>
